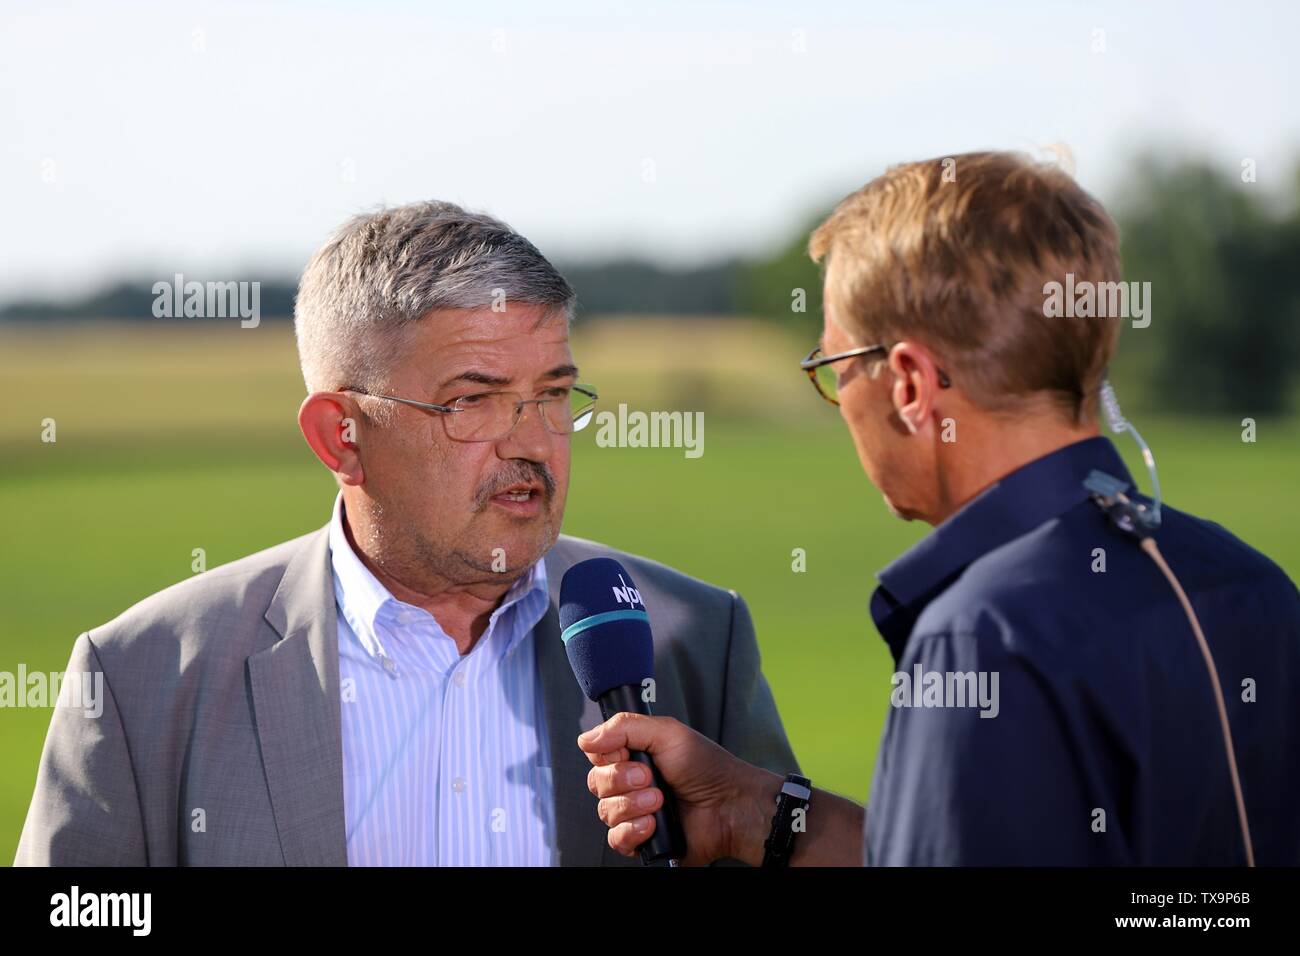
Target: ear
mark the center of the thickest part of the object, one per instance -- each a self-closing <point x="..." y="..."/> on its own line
<point x="916" y="385"/>
<point x="329" y="422"/>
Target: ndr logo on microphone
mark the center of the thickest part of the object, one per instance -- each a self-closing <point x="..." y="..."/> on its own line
<point x="627" y="594"/>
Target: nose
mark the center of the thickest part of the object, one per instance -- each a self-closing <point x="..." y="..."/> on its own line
<point x="530" y="437"/>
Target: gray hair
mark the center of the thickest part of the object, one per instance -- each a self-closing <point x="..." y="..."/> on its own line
<point x="383" y="271"/>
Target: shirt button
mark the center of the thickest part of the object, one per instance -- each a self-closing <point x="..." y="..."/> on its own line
<point x="458" y="785"/>
<point x="389" y="664"/>
<point x="458" y="678"/>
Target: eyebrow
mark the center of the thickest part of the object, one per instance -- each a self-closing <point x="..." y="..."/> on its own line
<point x="478" y="378"/>
<point x="486" y="378"/>
<point x="562" y="371"/>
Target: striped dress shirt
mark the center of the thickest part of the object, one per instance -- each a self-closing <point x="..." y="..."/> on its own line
<point x="445" y="757"/>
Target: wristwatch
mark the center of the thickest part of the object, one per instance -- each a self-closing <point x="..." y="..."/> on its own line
<point x="791" y="803"/>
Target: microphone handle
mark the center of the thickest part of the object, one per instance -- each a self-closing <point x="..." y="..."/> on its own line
<point x="668" y="842"/>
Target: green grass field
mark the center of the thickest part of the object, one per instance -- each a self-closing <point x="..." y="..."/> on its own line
<point x="171" y="438"/>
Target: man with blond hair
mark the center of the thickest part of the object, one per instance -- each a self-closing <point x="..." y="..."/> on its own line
<point x="1054" y="702"/>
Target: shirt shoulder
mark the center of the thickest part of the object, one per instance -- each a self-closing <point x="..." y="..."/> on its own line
<point x="1075" y="573"/>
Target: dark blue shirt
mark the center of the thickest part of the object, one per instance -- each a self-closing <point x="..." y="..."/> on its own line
<point x="1101" y="743"/>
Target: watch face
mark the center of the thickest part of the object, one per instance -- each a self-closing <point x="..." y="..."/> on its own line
<point x="799" y="791"/>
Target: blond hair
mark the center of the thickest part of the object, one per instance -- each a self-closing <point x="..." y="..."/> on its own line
<point x="956" y="253"/>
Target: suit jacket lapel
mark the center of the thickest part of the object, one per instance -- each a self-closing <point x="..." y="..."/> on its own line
<point x="580" y="835"/>
<point x="295" y="685"/>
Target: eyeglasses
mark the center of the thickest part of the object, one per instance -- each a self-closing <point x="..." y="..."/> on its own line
<point x="491" y="416"/>
<point x="825" y="380"/>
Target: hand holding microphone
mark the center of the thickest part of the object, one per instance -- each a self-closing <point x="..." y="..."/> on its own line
<point x="606" y="635"/>
<point x="725" y="803"/>
<point x="704" y="803"/>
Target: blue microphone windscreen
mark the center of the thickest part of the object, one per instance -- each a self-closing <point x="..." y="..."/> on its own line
<point x="604" y="626"/>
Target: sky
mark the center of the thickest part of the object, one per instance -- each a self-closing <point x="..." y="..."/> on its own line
<point x="228" y="140"/>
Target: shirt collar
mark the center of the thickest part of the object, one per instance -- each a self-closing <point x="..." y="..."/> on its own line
<point x="1011" y="507"/>
<point x="362" y="599"/>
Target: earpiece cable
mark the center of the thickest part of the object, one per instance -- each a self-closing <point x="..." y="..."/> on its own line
<point x="1148" y="545"/>
<point x="1119" y="424"/>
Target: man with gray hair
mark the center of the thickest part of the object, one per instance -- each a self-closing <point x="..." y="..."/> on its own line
<point x="392" y="689"/>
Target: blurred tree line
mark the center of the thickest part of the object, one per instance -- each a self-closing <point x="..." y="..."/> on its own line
<point x="1221" y="255"/>
<point x="1223" y="259"/>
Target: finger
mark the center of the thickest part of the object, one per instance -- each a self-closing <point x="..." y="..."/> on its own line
<point x="625" y="731"/>
<point x="621" y="809"/>
<point x="618" y="778"/>
<point x="626" y="837"/>
<point x="614" y="756"/>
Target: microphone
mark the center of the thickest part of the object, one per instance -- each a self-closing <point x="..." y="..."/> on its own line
<point x="606" y="635"/>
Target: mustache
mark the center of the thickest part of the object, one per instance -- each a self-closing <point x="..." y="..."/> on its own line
<point x="517" y="472"/>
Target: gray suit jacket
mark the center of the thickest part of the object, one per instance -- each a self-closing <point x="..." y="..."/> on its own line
<point x="222" y="693"/>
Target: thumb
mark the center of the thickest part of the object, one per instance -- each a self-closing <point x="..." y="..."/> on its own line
<point x="633" y="731"/>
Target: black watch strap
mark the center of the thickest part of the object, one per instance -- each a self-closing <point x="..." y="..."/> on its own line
<point x="791" y="804"/>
